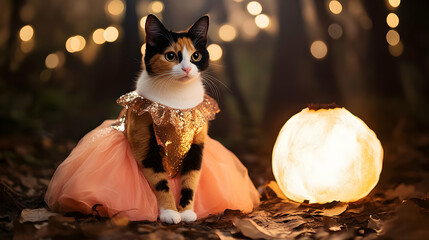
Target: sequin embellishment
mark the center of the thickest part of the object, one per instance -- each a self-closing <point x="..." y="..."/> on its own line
<point x="175" y="129"/>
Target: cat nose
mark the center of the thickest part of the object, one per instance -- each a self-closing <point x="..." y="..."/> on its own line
<point x="186" y="69"/>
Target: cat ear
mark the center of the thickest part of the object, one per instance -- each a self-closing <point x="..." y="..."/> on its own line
<point x="198" y="31"/>
<point x="154" y="30"/>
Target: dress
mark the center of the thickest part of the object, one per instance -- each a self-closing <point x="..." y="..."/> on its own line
<point x="101" y="169"/>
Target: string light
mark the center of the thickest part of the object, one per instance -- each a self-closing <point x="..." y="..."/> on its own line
<point x="111" y="34"/>
<point x="227" y="33"/>
<point x="254" y="8"/>
<point x="335" y="7"/>
<point x="115" y="7"/>
<point x="143" y="49"/>
<point x="335" y="31"/>
<point x="394" y="3"/>
<point x="143" y="22"/>
<point x="75" y="44"/>
<point x="98" y="36"/>
<point x="262" y="21"/>
<point x="26" y="33"/>
<point x="392" y="20"/>
<point x="27" y="47"/>
<point x="157" y="6"/>
<point x="215" y="52"/>
<point x="392" y="37"/>
<point x="52" y="61"/>
<point x="249" y="28"/>
<point x="396" y="50"/>
<point x="318" y="49"/>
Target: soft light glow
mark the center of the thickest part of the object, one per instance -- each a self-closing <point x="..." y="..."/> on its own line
<point x="249" y="28"/>
<point x="326" y="155"/>
<point x="335" y="7"/>
<point x="156" y="6"/>
<point x="396" y="50"/>
<point x="318" y="49"/>
<point x="115" y="7"/>
<point x="335" y="31"/>
<point x="394" y="3"/>
<point x="143" y="49"/>
<point x="227" y="33"/>
<point x="392" y="37"/>
<point x="52" y="61"/>
<point x="262" y="21"/>
<point x="27" y="47"/>
<point x="98" y="36"/>
<point x="111" y="34"/>
<point x="143" y="22"/>
<point x="26" y="33"/>
<point x="215" y="52"/>
<point x="254" y="8"/>
<point x="75" y="44"/>
<point x="392" y="20"/>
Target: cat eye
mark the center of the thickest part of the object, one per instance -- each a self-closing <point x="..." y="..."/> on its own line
<point x="196" y="56"/>
<point x="170" y="56"/>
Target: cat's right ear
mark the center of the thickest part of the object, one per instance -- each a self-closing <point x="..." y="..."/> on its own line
<point x="154" y="30"/>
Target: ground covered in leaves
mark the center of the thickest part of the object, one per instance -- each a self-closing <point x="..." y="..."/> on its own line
<point x="398" y="208"/>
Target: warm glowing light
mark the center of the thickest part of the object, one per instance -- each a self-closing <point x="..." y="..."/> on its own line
<point x="392" y="20"/>
<point x="27" y="47"/>
<point x="249" y="28"/>
<point x="335" y="31"/>
<point x="52" y="61"/>
<point x="326" y="155"/>
<point x="318" y="49"/>
<point x="98" y="36"/>
<point x="111" y="34"/>
<point x="26" y="33"/>
<point x="157" y="6"/>
<point x="262" y="21"/>
<point x="143" y="49"/>
<point x="394" y="3"/>
<point x="335" y="7"/>
<point x="143" y="22"/>
<point x="254" y="8"/>
<point x="396" y="50"/>
<point x="215" y="52"/>
<point x="115" y="7"/>
<point x="392" y="37"/>
<point x="75" y="44"/>
<point x="227" y="33"/>
<point x="238" y="1"/>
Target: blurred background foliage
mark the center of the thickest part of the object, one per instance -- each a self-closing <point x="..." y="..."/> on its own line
<point x="63" y="64"/>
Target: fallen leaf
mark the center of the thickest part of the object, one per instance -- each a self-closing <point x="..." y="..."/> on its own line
<point x="252" y="230"/>
<point x="375" y="224"/>
<point x="275" y="187"/>
<point x="36" y="215"/>
<point x="339" y="208"/>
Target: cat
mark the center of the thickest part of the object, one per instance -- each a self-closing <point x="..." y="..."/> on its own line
<point x="173" y="63"/>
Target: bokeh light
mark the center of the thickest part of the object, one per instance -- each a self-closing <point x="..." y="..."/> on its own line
<point x="394" y="3"/>
<point x="262" y="21"/>
<point x="75" y="44"/>
<point x="335" y="31"/>
<point x="111" y="34"/>
<point x="318" y="49"/>
<point x="143" y="49"/>
<point x="254" y="8"/>
<point x="215" y="52"/>
<point x="156" y="6"/>
<point x="392" y="20"/>
<point x="52" y="61"/>
<point x="249" y="28"/>
<point x="26" y="33"/>
<point x="227" y="33"/>
<point x="98" y="36"/>
<point x="396" y="50"/>
<point x="392" y="37"/>
<point x="335" y="7"/>
<point x="27" y="47"/>
<point x="115" y="7"/>
<point x="143" y="22"/>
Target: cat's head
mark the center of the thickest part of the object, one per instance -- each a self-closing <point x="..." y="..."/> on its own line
<point x="179" y="56"/>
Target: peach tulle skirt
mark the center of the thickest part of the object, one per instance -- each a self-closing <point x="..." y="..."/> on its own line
<point x="102" y="170"/>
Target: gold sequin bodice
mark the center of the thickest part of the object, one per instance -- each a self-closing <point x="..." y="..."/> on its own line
<point x="175" y="129"/>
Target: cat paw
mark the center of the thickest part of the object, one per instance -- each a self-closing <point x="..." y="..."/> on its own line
<point x="188" y="216"/>
<point x="169" y="216"/>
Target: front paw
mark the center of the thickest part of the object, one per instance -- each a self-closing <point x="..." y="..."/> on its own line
<point x="188" y="216"/>
<point x="169" y="216"/>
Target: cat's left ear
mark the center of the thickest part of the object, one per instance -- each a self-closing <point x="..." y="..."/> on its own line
<point x="199" y="30"/>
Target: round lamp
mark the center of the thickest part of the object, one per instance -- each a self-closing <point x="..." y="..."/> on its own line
<point x="325" y="155"/>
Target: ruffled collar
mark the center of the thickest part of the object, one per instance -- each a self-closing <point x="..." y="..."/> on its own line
<point x="175" y="129"/>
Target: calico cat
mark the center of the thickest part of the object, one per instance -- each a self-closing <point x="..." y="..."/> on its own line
<point x="173" y="64"/>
